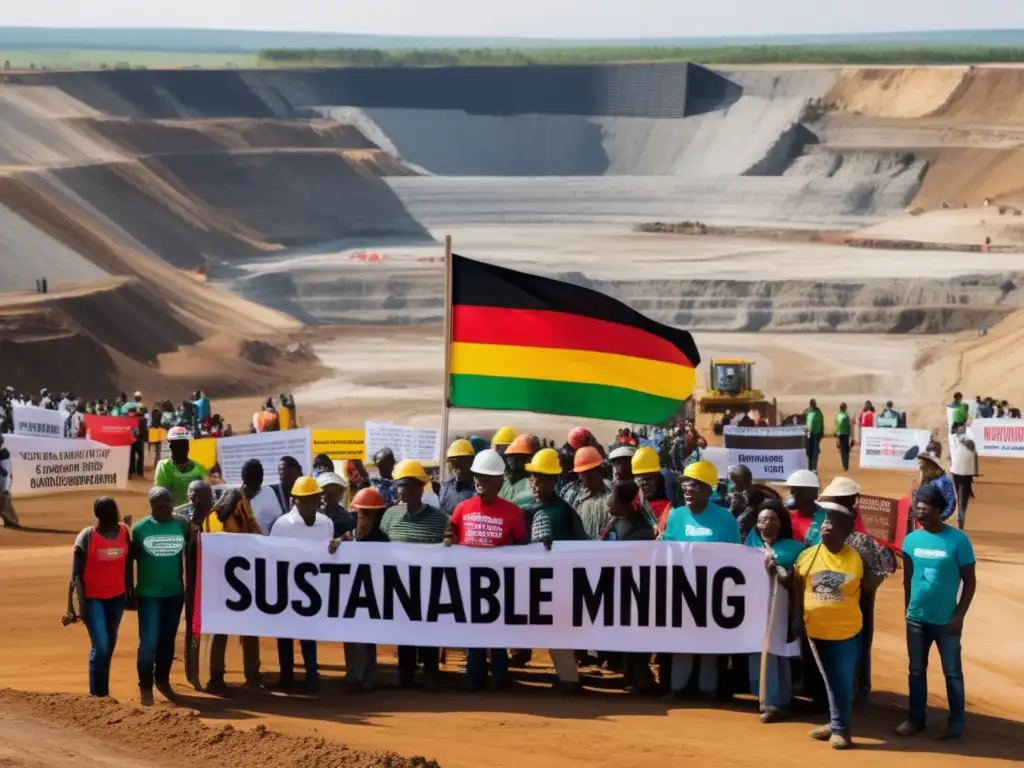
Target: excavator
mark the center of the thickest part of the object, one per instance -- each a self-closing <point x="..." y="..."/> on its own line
<point x="730" y="389"/>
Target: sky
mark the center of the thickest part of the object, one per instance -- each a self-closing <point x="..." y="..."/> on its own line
<point x="528" y="18"/>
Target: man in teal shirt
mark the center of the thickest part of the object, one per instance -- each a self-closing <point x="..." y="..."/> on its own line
<point x="843" y="435"/>
<point x="699" y="520"/>
<point x="814" y="420"/>
<point x="937" y="560"/>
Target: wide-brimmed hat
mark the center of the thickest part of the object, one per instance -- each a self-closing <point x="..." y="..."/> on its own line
<point x="840" y="487"/>
<point x="929" y="456"/>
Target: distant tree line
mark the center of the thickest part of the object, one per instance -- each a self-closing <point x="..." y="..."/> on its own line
<point x="748" y="54"/>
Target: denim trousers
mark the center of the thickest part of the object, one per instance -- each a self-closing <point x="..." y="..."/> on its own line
<point x="867" y="639"/>
<point x="286" y="659"/>
<point x="920" y="637"/>
<point x="682" y="668"/>
<point x="158" y="628"/>
<point x="360" y="664"/>
<point x="839" y="660"/>
<point x="778" y="682"/>
<point x="409" y="658"/>
<point x="476" y="665"/>
<point x="102" y="620"/>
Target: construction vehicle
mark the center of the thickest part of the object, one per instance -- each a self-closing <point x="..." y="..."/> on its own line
<point x="730" y="389"/>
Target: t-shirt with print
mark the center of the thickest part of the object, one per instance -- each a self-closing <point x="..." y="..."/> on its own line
<point x="489" y="525"/>
<point x="935" y="584"/>
<point x="177" y="482"/>
<point x="159" y="550"/>
<point x="714" y="524"/>
<point x="832" y="585"/>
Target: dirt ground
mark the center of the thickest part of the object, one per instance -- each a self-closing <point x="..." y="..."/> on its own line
<point x="44" y="667"/>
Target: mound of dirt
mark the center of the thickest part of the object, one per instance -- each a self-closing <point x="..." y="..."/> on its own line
<point x="179" y="737"/>
<point x="901" y="92"/>
<point x="960" y="175"/>
<point x="987" y="95"/>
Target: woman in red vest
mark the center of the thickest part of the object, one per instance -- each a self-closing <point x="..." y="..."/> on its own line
<point x="866" y="418"/>
<point x="100" y="586"/>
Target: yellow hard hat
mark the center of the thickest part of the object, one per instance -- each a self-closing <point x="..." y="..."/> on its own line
<point x="646" y="461"/>
<point x="504" y="436"/>
<point x="306" y="486"/>
<point x="702" y="472"/>
<point x="409" y="468"/>
<point x="460" y="448"/>
<point x="545" y="462"/>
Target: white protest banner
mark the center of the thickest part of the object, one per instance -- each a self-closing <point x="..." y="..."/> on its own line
<point x="634" y="596"/>
<point x="33" y="421"/>
<point x="268" y="448"/>
<point x="406" y="442"/>
<point x="56" y="465"/>
<point x="998" y="437"/>
<point x="717" y="456"/>
<point x="887" y="448"/>
<point x="771" y="453"/>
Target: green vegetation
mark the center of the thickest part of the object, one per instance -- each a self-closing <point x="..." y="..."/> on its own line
<point x="733" y="54"/>
<point x="124" y="59"/>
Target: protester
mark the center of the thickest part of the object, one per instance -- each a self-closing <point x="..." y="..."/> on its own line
<point x="621" y="459"/>
<point x="384" y="461"/>
<point x="333" y="490"/>
<point x="305" y="522"/>
<point x="964" y="468"/>
<point x="200" y="504"/>
<point x="264" y="503"/>
<point x="503" y="439"/>
<point x="266" y="419"/>
<point x="516" y="487"/>
<point x="866" y="419"/>
<point x="289" y="470"/>
<point x="554" y="520"/>
<point x="591" y="502"/>
<point x="842" y="432"/>
<point x="361" y="658"/>
<point x="647" y="474"/>
<point x="177" y="472"/>
<point x="830" y="578"/>
<point x="938" y="587"/>
<point x="805" y="515"/>
<point x="700" y="521"/>
<point x="932" y="473"/>
<point x="486" y="520"/>
<point x="414" y="522"/>
<point x="100" y="588"/>
<point x="7" y="513"/>
<point x="459" y="487"/>
<point x="158" y="550"/>
<point x="322" y="463"/>
<point x="741" y="501"/>
<point x="774" y="532"/>
<point x="814" y="420"/>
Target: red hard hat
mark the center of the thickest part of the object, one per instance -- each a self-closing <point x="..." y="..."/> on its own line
<point x="368" y="498"/>
<point x="579" y="437"/>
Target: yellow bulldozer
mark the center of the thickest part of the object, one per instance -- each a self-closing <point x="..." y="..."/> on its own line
<point x="730" y="388"/>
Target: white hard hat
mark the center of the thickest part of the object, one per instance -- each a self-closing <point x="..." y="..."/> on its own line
<point x="803" y="478"/>
<point x="840" y="487"/>
<point x="330" y="478"/>
<point x="488" y="462"/>
<point x="622" y="452"/>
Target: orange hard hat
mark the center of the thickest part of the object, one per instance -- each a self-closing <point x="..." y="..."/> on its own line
<point x="368" y="498"/>
<point x="523" y="444"/>
<point x="586" y="458"/>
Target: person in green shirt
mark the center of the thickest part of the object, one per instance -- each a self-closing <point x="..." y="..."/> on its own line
<point x="158" y="551"/>
<point x="843" y="436"/>
<point x="814" y="420"/>
<point x="516" y="487"/>
<point x="177" y="472"/>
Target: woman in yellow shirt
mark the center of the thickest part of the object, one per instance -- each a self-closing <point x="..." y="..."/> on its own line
<point x="831" y="577"/>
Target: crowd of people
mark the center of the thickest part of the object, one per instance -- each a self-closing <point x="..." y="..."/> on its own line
<point x="641" y="488"/>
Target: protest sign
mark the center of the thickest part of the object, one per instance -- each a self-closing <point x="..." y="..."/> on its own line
<point x="33" y="421"/>
<point x="635" y="596"/>
<point x="880" y="516"/>
<point x="267" y="447"/>
<point x="887" y="448"/>
<point x="339" y="444"/>
<point x="57" y="465"/>
<point x="771" y="453"/>
<point x="998" y="437"/>
<point x="406" y="442"/>
<point x="111" y="430"/>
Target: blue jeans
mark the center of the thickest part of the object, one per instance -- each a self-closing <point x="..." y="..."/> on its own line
<point x="920" y="637"/>
<point x="682" y="669"/>
<point x="778" y="681"/>
<point x="102" y="619"/>
<point x="286" y="659"/>
<point x="158" y="629"/>
<point x="476" y="665"/>
<point x="839" y="659"/>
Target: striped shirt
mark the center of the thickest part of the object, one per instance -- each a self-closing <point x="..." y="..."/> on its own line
<point x="425" y="527"/>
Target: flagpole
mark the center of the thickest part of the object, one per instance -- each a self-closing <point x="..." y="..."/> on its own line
<point x="447" y="353"/>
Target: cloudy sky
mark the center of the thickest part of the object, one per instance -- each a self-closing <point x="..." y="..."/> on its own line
<point x="528" y="18"/>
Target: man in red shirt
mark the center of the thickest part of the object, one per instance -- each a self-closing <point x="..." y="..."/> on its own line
<point x="486" y="521"/>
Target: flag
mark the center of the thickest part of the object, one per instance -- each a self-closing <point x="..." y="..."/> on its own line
<point x="525" y="343"/>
